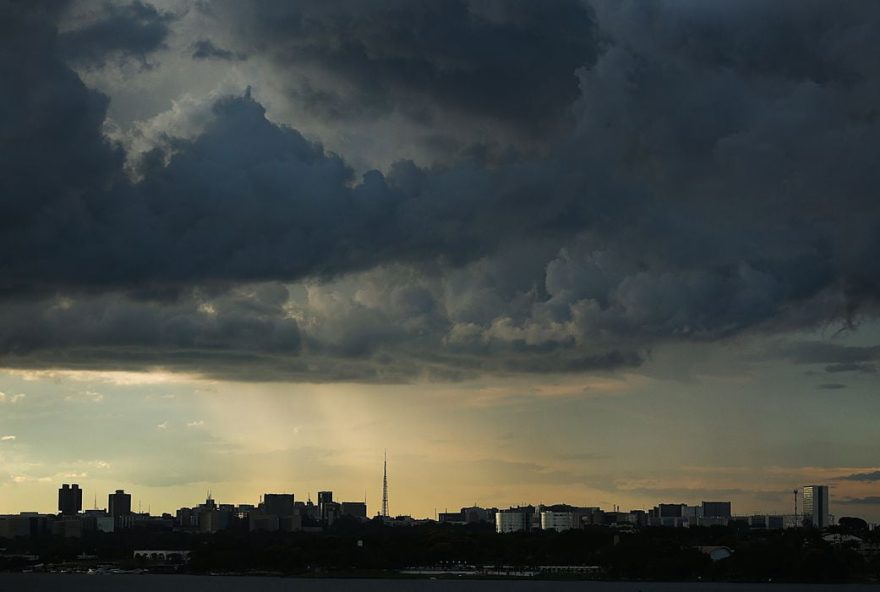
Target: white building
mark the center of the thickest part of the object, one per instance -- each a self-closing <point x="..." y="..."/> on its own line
<point x="558" y="521"/>
<point x="512" y="520"/>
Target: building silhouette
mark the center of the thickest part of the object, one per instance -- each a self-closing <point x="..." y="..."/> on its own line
<point x="119" y="504"/>
<point x="716" y="510"/>
<point x="278" y="504"/>
<point x="353" y="509"/>
<point x="816" y="506"/>
<point x="70" y="499"/>
<point x="328" y="509"/>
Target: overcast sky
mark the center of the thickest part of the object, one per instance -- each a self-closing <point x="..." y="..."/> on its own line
<point x="620" y="252"/>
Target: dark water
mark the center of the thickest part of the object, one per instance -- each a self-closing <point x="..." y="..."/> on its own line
<point x="134" y="583"/>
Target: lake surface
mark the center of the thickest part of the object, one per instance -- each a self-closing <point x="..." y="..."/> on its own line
<point x="175" y="583"/>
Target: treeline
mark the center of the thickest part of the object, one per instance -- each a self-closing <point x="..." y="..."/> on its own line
<point x="353" y="548"/>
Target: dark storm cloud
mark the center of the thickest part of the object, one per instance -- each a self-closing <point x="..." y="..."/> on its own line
<point x="505" y="61"/>
<point x="53" y="150"/>
<point x="249" y="200"/>
<point x="128" y="31"/>
<point x="204" y="49"/>
<point x="700" y="192"/>
<point x="250" y="319"/>
<point x="832" y="386"/>
<point x="871" y="476"/>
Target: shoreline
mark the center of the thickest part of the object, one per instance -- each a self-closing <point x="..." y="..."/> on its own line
<point x="403" y="575"/>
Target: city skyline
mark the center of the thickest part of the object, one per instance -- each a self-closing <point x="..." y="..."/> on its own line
<point x="283" y="511"/>
<point x="811" y="503"/>
<point x="603" y="252"/>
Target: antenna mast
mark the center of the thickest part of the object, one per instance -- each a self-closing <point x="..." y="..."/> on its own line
<point x="385" y="486"/>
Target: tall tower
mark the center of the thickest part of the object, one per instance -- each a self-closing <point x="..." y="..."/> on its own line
<point x="816" y="505"/>
<point x="385" y="487"/>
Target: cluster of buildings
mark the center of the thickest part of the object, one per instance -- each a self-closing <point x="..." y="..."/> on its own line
<point x="274" y="512"/>
<point x="282" y="512"/>
<point x="563" y="517"/>
<point x="814" y="514"/>
<point x="71" y="521"/>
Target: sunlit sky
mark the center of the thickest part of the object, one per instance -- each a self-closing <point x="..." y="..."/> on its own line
<point x="610" y="253"/>
<point x="727" y="424"/>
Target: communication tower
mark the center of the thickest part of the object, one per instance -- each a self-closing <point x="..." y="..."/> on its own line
<point x="385" y="486"/>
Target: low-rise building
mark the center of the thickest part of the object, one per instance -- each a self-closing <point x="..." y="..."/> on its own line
<point x="558" y="521"/>
<point x="514" y="519"/>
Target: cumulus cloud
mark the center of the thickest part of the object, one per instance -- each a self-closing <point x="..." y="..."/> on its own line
<point x="704" y="184"/>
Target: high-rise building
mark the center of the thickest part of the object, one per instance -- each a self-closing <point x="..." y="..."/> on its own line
<point x="208" y="515"/>
<point x="816" y="506"/>
<point x="70" y="499"/>
<point x="119" y="504"/>
<point x="278" y="504"/>
<point x="327" y="508"/>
